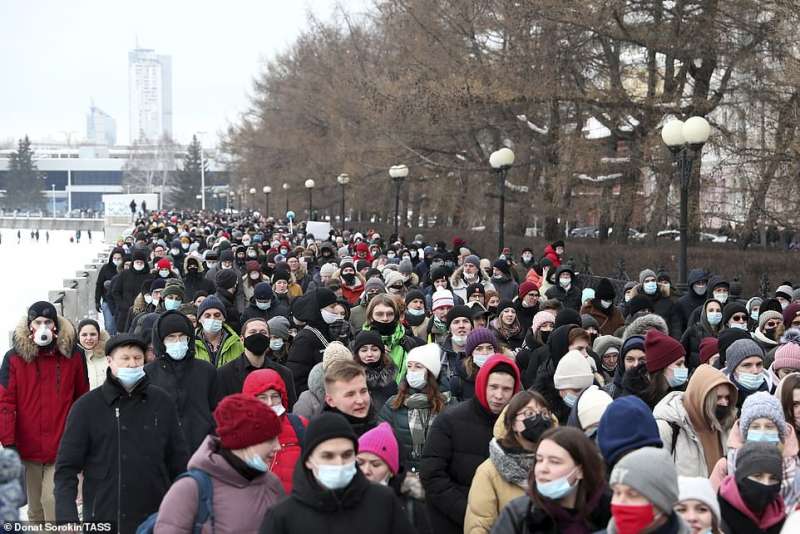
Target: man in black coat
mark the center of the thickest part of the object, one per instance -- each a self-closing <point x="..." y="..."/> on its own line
<point x="231" y="376"/>
<point x="126" y="438"/>
<point x="566" y="288"/>
<point x="330" y="494"/>
<point x="102" y="299"/>
<point x="194" y="279"/>
<point x="695" y="296"/>
<point x="191" y="383"/>
<point x="307" y="348"/>
<point x="458" y="443"/>
<point x="127" y="285"/>
<point x="227" y="282"/>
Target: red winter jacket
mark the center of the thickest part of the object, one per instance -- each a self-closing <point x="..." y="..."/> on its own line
<point x="256" y="383"/>
<point x="37" y="389"/>
<point x="550" y="254"/>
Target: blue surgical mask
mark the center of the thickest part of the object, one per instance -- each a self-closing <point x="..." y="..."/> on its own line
<point x="769" y="436"/>
<point x="334" y="477"/>
<point x="714" y="318"/>
<point x="177" y="350"/>
<point x="754" y="315"/>
<point x="276" y="344"/>
<point x="415" y="312"/>
<point x="129" y="376"/>
<point x="257" y="463"/>
<point x="750" y="381"/>
<point x="740" y="326"/>
<point x="212" y="326"/>
<point x="263" y="306"/>
<point x="480" y="359"/>
<point x="570" y="399"/>
<point x="556" y="489"/>
<point x="650" y="288"/>
<point x="172" y="304"/>
<point x="679" y="376"/>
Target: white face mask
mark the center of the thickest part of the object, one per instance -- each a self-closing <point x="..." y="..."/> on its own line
<point x="329" y="317"/>
<point x="417" y="379"/>
<point x="43" y="336"/>
<point x="278" y="409"/>
<point x="148" y="299"/>
<point x="565" y="282"/>
<point x="606" y="303"/>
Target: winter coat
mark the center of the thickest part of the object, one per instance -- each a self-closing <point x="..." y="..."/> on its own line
<point x="309" y="344"/>
<point x="38" y="385"/>
<point x="352" y="294"/>
<point x="231" y="377"/>
<point x="362" y="506"/>
<point x="694" y="335"/>
<point x="462" y="385"/>
<point x="522" y="517"/>
<point x="736" y="518"/>
<point x="230" y="349"/>
<point x="96" y="363"/>
<point x="239" y="504"/>
<point x="558" y="343"/>
<point x="381" y="383"/>
<point x="550" y="254"/>
<point x="506" y="288"/>
<point x="253" y="312"/>
<point x="690" y="300"/>
<point x="457" y="444"/>
<point x="107" y="272"/>
<point x="129" y="442"/>
<point x="609" y="323"/>
<point x="190" y="382"/>
<point x="570" y="298"/>
<point x="312" y="401"/>
<point x="124" y="290"/>
<point x="458" y="286"/>
<point x="667" y="309"/>
<point x="232" y="315"/>
<point x="509" y="343"/>
<point x="194" y="282"/>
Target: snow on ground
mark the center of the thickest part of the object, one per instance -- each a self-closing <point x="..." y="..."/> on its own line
<point x="29" y="270"/>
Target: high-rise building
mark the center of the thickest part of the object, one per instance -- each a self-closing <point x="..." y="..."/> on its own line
<point x="101" y="128"/>
<point x="149" y="95"/>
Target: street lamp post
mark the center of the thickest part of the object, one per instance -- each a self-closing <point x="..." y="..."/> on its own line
<point x="685" y="141"/>
<point x="343" y="180"/>
<point x="286" y="189"/>
<point x="501" y="160"/>
<point x="310" y="186"/>
<point x="202" y="175"/>
<point x="267" y="190"/>
<point x="53" y="188"/>
<point x="253" y="197"/>
<point x="398" y="173"/>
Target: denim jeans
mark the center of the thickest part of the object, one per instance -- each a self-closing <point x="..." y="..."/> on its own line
<point x="108" y="319"/>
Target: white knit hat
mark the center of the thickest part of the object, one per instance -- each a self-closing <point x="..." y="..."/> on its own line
<point x="698" y="489"/>
<point x="392" y="277"/>
<point x="573" y="372"/>
<point x="592" y="405"/>
<point x="441" y="297"/>
<point x="430" y="356"/>
<point x="335" y="351"/>
<point x="328" y="269"/>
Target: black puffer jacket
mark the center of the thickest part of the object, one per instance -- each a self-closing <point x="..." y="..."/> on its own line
<point x="667" y="308"/>
<point x="571" y="298"/>
<point x="690" y="300"/>
<point x="310" y="343"/>
<point x="107" y="272"/>
<point x="191" y="383"/>
<point x="126" y="286"/>
<point x="695" y="333"/>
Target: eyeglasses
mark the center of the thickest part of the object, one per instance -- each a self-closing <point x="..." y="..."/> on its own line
<point x="771" y="324"/>
<point x="739" y="317"/>
<point x="524" y="414"/>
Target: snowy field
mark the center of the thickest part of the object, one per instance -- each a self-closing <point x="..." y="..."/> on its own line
<point x="29" y="270"/>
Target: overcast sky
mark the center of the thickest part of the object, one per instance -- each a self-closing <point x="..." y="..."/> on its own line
<point x="58" y="55"/>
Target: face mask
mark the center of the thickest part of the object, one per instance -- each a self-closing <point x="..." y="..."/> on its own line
<point x="714" y="318"/>
<point x="128" y="376"/>
<point x="192" y="269"/>
<point x="138" y="266"/>
<point x="252" y="254"/>
<point x="770" y="333"/>
<point x="722" y="297"/>
<point x="172" y="304"/>
<point x="757" y="495"/>
<point x="415" y="312"/>
<point x="226" y="265"/>
<point x="545" y="335"/>
<point x="534" y="427"/>
<point x="255" y="275"/>
<point x="116" y="263"/>
<point x="480" y="359"/>
<point x="390" y="255"/>
<point x="417" y="379"/>
<point x="276" y="344"/>
<point x="720" y="412"/>
<point x="278" y="409"/>
<point x="413" y="253"/>
<point x="650" y="288"/>
<point x="740" y="326"/>
<point x="750" y="381"/>
<point x="385" y="329"/>
<point x="257" y="463"/>
<point x="628" y="298"/>
<point x="256" y="343"/>
<point x="570" y="399"/>
<point x="283" y="251"/>
<point x="211" y="264"/>
<point x="263" y="306"/>
<point x="148" y="299"/>
<point x="606" y="303"/>
<point x="754" y="315"/>
<point x="163" y="273"/>
<point x="459" y="340"/>
<point x="679" y="376"/>
<point x="211" y="326"/>
<point x="185" y="246"/>
<point x="699" y="290"/>
<point x="632" y="518"/>
<point x="349" y="278"/>
<point x="43" y="336"/>
<point x="175" y="251"/>
<point x="177" y="350"/>
<point x="770" y="436"/>
<point x="334" y="477"/>
<point x="329" y="317"/>
<point x="565" y="282"/>
<point x="784" y="305"/>
<point x="527" y="258"/>
<point x="556" y="489"/>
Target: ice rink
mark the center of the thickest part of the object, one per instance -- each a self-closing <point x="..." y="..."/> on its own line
<point x="30" y="269"/>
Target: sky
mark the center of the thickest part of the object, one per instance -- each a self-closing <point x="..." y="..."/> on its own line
<point x="56" y="56"/>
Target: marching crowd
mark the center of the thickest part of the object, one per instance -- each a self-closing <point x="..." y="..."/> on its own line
<point x="249" y="377"/>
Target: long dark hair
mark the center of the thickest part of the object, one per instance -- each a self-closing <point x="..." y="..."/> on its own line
<point x="517" y="403"/>
<point x="435" y="397"/>
<point x="657" y="388"/>
<point x="790" y="383"/>
<point x="584" y="453"/>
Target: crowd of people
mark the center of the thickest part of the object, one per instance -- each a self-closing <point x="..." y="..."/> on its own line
<point x="249" y="377"/>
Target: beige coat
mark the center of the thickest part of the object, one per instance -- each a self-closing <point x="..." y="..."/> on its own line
<point x="96" y="363"/>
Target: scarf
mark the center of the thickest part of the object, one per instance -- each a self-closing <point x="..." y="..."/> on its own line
<point x="506" y="332"/>
<point x="379" y="376"/>
<point x="395" y="350"/>
<point x="513" y="466"/>
<point x="420" y="419"/>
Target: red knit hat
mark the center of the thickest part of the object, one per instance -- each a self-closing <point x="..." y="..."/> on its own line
<point x="526" y="287"/>
<point x="709" y="346"/>
<point x="787" y="356"/>
<point x="661" y="350"/>
<point x="381" y="442"/>
<point x="243" y="421"/>
<point x="164" y="263"/>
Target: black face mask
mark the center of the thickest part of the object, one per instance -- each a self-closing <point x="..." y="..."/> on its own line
<point x="414" y="320"/>
<point x="257" y="343"/>
<point x="756" y="495"/>
<point x="770" y="333"/>
<point x="636" y="380"/>
<point x="721" y="412"/>
<point x="192" y="269"/>
<point x="384" y="329"/>
<point x="534" y="427"/>
<point x="340" y="330"/>
<point x="349" y="278"/>
<point x="545" y="335"/>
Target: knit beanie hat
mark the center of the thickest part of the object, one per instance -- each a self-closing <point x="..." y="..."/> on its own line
<point x="587" y="294"/>
<point x="174" y="287"/>
<point x="784" y="291"/>
<point x="441" y="297"/>
<point x="438" y="273"/>
<point x="731" y="309"/>
<point x="699" y="489"/>
<point x="502" y="266"/>
<point x="587" y="321"/>
<point x="479" y="336"/>
<point x="414" y="294"/>
<point x="263" y="291"/>
<point x="252" y="266"/>
<point x="591" y="405"/>
<point x="375" y="284"/>
<point x="770" y="305"/>
<point x="605" y="290"/>
<point x="157" y="284"/>
<point x="244" y="421"/>
<point x="766" y="316"/>
<point x="661" y="350"/>
<point x="627" y="424"/>
<point x="709" y="346"/>
<point x="728" y="337"/>
<point x="472" y="259"/>
<point x="164" y="263"/>
<point x="633" y="342"/>
<point x="541" y="318"/>
<point x="603" y="343"/>
<point x="173" y="322"/>
<point x="279" y="327"/>
<point x="429" y="355"/>
<point x="788" y="354"/>
<point x="646" y="274"/>
<point x="739" y="351"/>
<point x="573" y="372"/>
<point x="762" y="404"/>
<point x="652" y="473"/>
<point x="212" y="302"/>
<point x="791" y="311"/>
<point x="366" y="337"/>
<point x="327" y="425"/>
<point x="567" y="316"/>
<point x="392" y="278"/>
<point x="42" y="309"/>
<point x="758" y="457"/>
<point x="639" y="303"/>
<point x="335" y="351"/>
<point x="381" y="442"/>
<point x="226" y="278"/>
<point x="526" y="287"/>
<point x="279" y="273"/>
<point x="328" y="269"/>
<point x="459" y="311"/>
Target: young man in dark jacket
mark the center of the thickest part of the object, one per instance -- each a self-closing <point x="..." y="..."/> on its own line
<point x="102" y="299"/>
<point x="127" y="285"/>
<point x="695" y="296"/>
<point x="566" y="289"/>
<point x="329" y="494"/>
<point x="458" y="443"/>
<point x="126" y="438"/>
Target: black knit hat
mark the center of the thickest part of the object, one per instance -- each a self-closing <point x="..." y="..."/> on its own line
<point x="414" y="294"/>
<point x="44" y="309"/>
<point x="639" y="303"/>
<point x="459" y="311"/>
<point x="226" y="278"/>
<point x="439" y="272"/>
<point x="366" y="337"/>
<point x="281" y="274"/>
<point x="323" y="427"/>
<point x="173" y="322"/>
<point x="771" y="304"/>
<point x="605" y="290"/>
<point x="475" y="288"/>
<point x="502" y="266"/>
<point x="325" y="297"/>
<point x="731" y="309"/>
<point x="124" y="340"/>
<point x="758" y="457"/>
<point x="567" y="316"/>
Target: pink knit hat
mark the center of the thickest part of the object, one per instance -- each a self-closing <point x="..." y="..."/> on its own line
<point x="787" y="356"/>
<point x="381" y="442"/>
<point x="540" y="318"/>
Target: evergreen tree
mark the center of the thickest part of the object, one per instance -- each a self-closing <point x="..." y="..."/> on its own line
<point x="187" y="184"/>
<point x="24" y="183"/>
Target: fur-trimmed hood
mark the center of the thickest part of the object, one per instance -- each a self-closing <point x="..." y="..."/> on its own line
<point x="457" y="282"/>
<point x="100" y="348"/>
<point x="640" y="326"/>
<point x="27" y="349"/>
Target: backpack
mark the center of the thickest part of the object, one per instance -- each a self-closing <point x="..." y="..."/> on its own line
<point x="205" y="504"/>
<point x="297" y="425"/>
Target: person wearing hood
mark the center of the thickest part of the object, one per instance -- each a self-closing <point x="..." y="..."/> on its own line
<point x="750" y="500"/>
<point x="41" y="377"/>
<point x="601" y="308"/>
<point x="541" y="355"/>
<point x="554" y="252"/>
<point x="753" y="311"/>
<point x="607" y="349"/>
<point x="228" y="287"/>
<point x="311" y="402"/>
<point x="467" y="274"/>
<point x="329" y="493"/>
<point x="502" y="281"/>
<point x="665" y="361"/>
<point x="102" y="291"/>
<point x="127" y="286"/>
<point x="93" y="342"/>
<point x="148" y="438"/>
<point x="697" y="280"/>
<point x="216" y="341"/>
<point x="368" y="350"/>
<point x="194" y="278"/>
<point x="567" y="491"/>
<point x="353" y="284"/>
<point x="566" y="289"/>
<point x="708" y="324"/>
<point x="627" y="424"/>
<point x="383" y="318"/>
<point x="745" y="369"/>
<point x="459" y="442"/>
<point x="527" y="305"/>
<point x="630" y="376"/>
<point x="315" y="309"/>
<point x="414" y="319"/>
<point x="190" y="382"/>
<point x="769" y="331"/>
<point x="662" y="303"/>
<point x="536" y="336"/>
<point x="480" y="346"/>
<point x="507" y="328"/>
<point x="645" y="491"/>
<point x="694" y="425"/>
